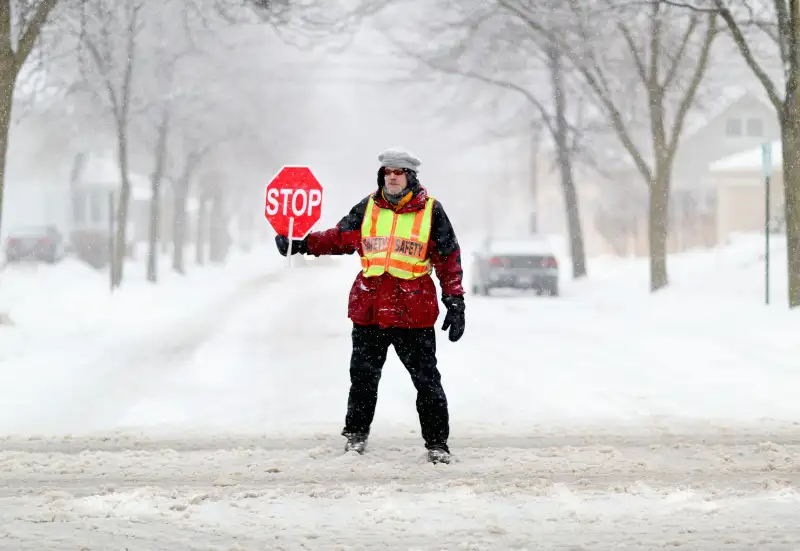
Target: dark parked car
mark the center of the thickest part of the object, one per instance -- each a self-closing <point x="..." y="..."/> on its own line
<point x="521" y="263"/>
<point x="41" y="243"/>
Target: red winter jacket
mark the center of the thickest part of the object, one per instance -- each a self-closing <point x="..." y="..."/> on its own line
<point x="385" y="300"/>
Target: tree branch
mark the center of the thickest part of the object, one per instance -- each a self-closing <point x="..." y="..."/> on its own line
<point x="127" y="79"/>
<point x="786" y="39"/>
<point x="691" y="90"/>
<point x="33" y="30"/>
<point x="508" y="85"/>
<point x="744" y="49"/>
<point x="591" y="78"/>
<point x="672" y="71"/>
<point x="685" y="5"/>
<point x="637" y="58"/>
<point x="792" y="64"/>
<point x="657" y="21"/>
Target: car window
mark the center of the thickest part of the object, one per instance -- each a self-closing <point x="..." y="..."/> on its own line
<point x="30" y="230"/>
<point x="521" y="249"/>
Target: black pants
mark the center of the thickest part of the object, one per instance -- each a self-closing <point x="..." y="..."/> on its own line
<point x="416" y="348"/>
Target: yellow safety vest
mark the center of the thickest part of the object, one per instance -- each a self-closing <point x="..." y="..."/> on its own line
<point x="396" y="243"/>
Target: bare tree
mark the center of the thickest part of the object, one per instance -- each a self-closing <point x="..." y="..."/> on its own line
<point x="182" y="185"/>
<point x="490" y="47"/>
<point x="21" y="24"/>
<point x="109" y="48"/>
<point x="751" y="23"/>
<point x="163" y="122"/>
<point x="24" y="22"/>
<point x="228" y="118"/>
<point x="166" y="93"/>
<point x="564" y="150"/>
<point x="669" y="53"/>
<point x="130" y="65"/>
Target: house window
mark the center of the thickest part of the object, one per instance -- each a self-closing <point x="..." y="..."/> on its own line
<point x="755" y="128"/>
<point x="733" y="127"/>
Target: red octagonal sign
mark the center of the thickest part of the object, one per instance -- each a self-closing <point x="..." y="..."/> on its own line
<point x="294" y="201"/>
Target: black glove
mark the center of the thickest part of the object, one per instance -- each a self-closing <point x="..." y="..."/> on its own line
<point x="454" y="320"/>
<point x="299" y="246"/>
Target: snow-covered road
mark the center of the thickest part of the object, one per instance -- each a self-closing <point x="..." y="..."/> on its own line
<point x="604" y="418"/>
<point x="638" y="490"/>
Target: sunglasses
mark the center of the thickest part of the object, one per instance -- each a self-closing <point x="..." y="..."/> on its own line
<point x="395" y="171"/>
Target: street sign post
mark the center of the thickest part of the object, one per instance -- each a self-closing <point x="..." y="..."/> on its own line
<point x="293" y="203"/>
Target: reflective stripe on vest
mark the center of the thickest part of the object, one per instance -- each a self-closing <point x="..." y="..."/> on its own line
<point x="396" y="243"/>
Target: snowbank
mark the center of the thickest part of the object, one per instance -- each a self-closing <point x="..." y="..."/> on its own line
<point x="215" y="356"/>
<point x="71" y="296"/>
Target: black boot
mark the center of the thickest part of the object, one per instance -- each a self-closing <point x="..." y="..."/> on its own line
<point x="439" y="454"/>
<point x="356" y="442"/>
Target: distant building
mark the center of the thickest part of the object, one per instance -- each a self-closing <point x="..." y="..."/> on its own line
<point x="614" y="207"/>
<point x="741" y="192"/>
<point x="68" y="177"/>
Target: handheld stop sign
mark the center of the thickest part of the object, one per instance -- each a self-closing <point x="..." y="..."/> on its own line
<point x="293" y="203"/>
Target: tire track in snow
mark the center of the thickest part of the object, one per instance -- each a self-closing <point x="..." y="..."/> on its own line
<point x="704" y="453"/>
<point x="696" y="487"/>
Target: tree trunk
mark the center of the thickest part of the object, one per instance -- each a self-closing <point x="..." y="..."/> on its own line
<point x="179" y="199"/>
<point x="8" y="75"/>
<point x="658" y="227"/>
<point x="791" y="193"/>
<point x="155" y="223"/>
<point x="576" y="243"/>
<point x="246" y="229"/>
<point x="155" y="200"/>
<point x="200" y="241"/>
<point x="180" y="216"/>
<point x="218" y="234"/>
<point x="167" y="209"/>
<point x="533" y="221"/>
<point x="564" y="154"/>
<point x="120" y="246"/>
<point x="27" y="30"/>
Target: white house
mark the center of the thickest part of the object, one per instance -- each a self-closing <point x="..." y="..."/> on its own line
<point x="63" y="173"/>
<point x="740" y="124"/>
<point x="614" y="210"/>
<point x="741" y="191"/>
<point x="41" y="166"/>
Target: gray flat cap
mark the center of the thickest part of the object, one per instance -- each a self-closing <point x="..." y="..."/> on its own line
<point x="397" y="157"/>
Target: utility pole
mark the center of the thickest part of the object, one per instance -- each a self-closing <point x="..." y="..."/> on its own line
<point x="534" y="136"/>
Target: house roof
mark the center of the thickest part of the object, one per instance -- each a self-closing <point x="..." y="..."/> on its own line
<point x="698" y="119"/>
<point x="748" y="161"/>
<point x="726" y="99"/>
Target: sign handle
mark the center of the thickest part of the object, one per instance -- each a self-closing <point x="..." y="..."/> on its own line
<point x="291" y="231"/>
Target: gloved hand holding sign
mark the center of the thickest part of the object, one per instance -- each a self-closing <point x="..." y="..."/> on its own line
<point x="299" y="246"/>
